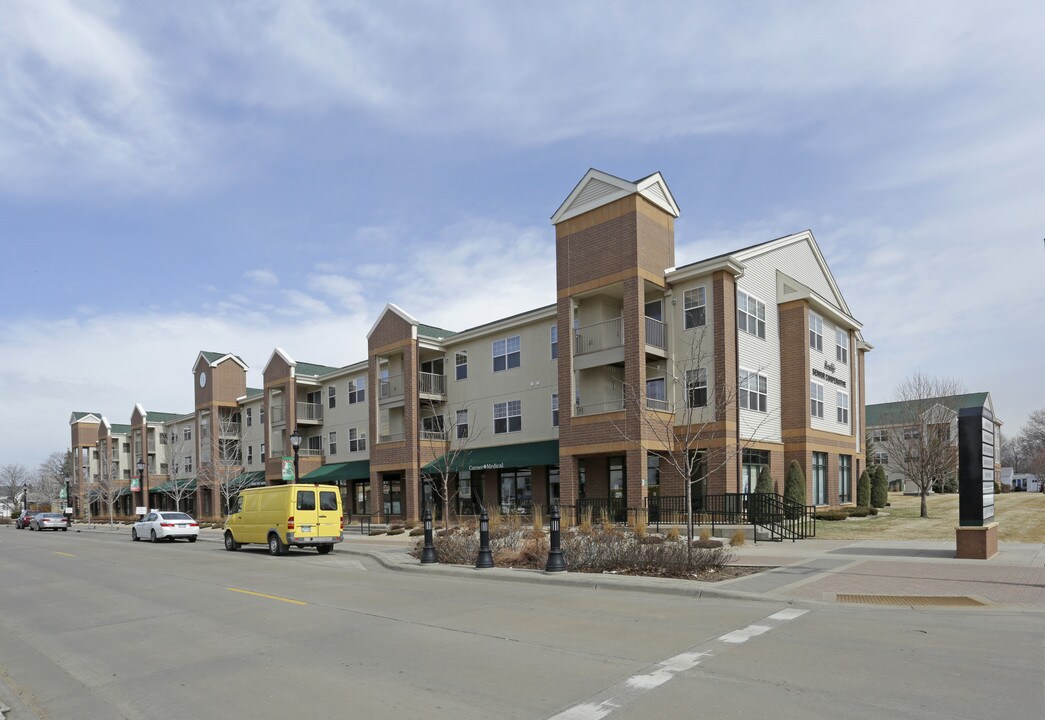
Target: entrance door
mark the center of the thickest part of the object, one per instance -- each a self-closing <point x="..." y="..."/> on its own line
<point x="362" y="498"/>
<point x="393" y="492"/>
<point x="618" y="490"/>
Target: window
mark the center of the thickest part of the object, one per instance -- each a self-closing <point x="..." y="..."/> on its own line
<point x="843" y="407"/>
<point x="331" y="397"/>
<point x="306" y="500"/>
<point x="842" y="346"/>
<point x="816" y="332"/>
<point x="250" y="418"/>
<point x="188" y="432"/>
<point x="911" y="434"/>
<point x="881" y="458"/>
<point x="555" y="410"/>
<point x="188" y="464"/>
<point x="819" y="478"/>
<point x="752" y="462"/>
<point x="261" y="414"/>
<point x="694" y="303"/>
<point x="356" y="441"/>
<point x="653" y="474"/>
<point x="163" y="438"/>
<point x="461" y="362"/>
<point x="432" y="426"/>
<point x="555" y="341"/>
<point x="697" y="387"/>
<point x="506" y="353"/>
<point x="507" y="417"/>
<point x="250" y="454"/>
<point x="845" y="478"/>
<point x="462" y="424"/>
<point x="315" y="444"/>
<point x="332" y="444"/>
<point x="656" y="394"/>
<point x="262" y="452"/>
<point x="816" y="400"/>
<point x="879" y="435"/>
<point x="751" y="315"/>
<point x="126" y="448"/>
<point x="357" y="390"/>
<point x="754" y="390"/>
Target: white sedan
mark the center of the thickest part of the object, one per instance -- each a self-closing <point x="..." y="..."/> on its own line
<point x="162" y="525"/>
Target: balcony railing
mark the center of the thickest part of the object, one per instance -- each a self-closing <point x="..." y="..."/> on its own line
<point x="230" y="429"/>
<point x="310" y="452"/>
<point x="656" y="333"/>
<point x="277" y="414"/>
<point x="661" y="405"/>
<point x="432" y="384"/>
<point x="391" y="437"/>
<point x="310" y="412"/>
<point x="433" y="435"/>
<point x="390" y="387"/>
<point x="152" y="446"/>
<point x="598" y="408"/>
<point x="600" y="336"/>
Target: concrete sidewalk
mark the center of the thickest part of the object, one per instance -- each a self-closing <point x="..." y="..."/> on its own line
<point x="898" y="573"/>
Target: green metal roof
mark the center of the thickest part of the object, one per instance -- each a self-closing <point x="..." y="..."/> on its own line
<point x="186" y="484"/>
<point x="254" y="392"/>
<point x="338" y="472"/>
<point x="895" y="413"/>
<point x="545" y="452"/>
<point x="314" y="370"/>
<point x="247" y="480"/>
<point x="80" y="415"/>
<point x="213" y="357"/>
<point x="433" y="332"/>
<point x="162" y="417"/>
<point x="118" y="428"/>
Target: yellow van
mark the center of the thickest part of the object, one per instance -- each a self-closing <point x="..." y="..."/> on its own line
<point x="283" y="515"/>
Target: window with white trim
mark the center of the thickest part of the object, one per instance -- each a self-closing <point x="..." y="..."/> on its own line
<point x="461" y="363"/>
<point x="507" y="417"/>
<point x="356" y="440"/>
<point x="356" y="391"/>
<point x="250" y="420"/>
<point x="462" y="424"/>
<point x="754" y="391"/>
<point x="879" y="435"/>
<point x="881" y="457"/>
<point x="250" y="454"/>
<point x="315" y="443"/>
<point x="262" y="452"/>
<point x="841" y="346"/>
<point x="697" y="387"/>
<point x="188" y="432"/>
<point x="188" y="464"/>
<point x="694" y="307"/>
<point x="816" y="332"/>
<point x="507" y="353"/>
<point x="816" y="399"/>
<point x="751" y="315"/>
<point x="842" y="402"/>
<point x="555" y="410"/>
<point x="331" y="397"/>
<point x="911" y="433"/>
<point x="261" y="414"/>
<point x="554" y="332"/>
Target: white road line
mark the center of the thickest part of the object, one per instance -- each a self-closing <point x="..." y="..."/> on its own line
<point x="623" y="693"/>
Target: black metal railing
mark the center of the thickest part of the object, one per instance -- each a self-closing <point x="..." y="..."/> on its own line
<point x="365" y="523"/>
<point x="774" y="514"/>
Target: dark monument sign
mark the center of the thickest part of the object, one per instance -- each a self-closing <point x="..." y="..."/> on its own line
<point x="975" y="466"/>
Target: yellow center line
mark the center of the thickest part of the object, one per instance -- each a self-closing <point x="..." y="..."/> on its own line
<point x="57" y="552"/>
<point x="270" y="597"/>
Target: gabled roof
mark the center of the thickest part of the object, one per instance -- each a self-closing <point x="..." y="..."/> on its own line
<point x="393" y="308"/>
<point x="120" y="429"/>
<point x="894" y="413"/>
<point x="597" y="188"/>
<point x="313" y="370"/>
<point x="213" y="358"/>
<point x="77" y="416"/>
<point x="162" y="417"/>
<point x="430" y="331"/>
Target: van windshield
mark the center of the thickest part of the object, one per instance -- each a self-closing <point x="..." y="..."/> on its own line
<point x="327" y="500"/>
<point x="306" y="500"/>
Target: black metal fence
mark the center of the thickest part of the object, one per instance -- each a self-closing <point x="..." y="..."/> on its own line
<point x="774" y="514"/>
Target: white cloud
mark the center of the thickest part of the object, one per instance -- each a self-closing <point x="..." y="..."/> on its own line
<point x="265" y="278"/>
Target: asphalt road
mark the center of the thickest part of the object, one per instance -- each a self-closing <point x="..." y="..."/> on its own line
<point x="93" y="626"/>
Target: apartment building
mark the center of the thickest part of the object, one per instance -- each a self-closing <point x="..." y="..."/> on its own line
<point x="746" y="360"/>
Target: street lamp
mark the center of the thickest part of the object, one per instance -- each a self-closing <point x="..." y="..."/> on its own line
<point x="141" y="479"/>
<point x="25" y="497"/>
<point x="295" y="442"/>
<point x="67" y="510"/>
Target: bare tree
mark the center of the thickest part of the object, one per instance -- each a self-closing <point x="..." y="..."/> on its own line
<point x="106" y="486"/>
<point x="52" y="474"/>
<point x="1012" y="452"/>
<point x="921" y="441"/>
<point x="12" y="477"/>
<point x="229" y="463"/>
<point x="458" y="431"/>
<point x="181" y="474"/>
<point x="687" y="418"/>
<point x="1032" y="442"/>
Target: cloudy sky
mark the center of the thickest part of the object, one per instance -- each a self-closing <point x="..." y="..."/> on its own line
<point x="236" y="176"/>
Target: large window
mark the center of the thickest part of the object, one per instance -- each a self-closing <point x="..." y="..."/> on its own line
<point x="652" y="474"/>
<point x="881" y="458"/>
<point x="816" y="332"/>
<point x="332" y="443"/>
<point x="816" y="399"/>
<point x="249" y="418"/>
<point x="819" y="478"/>
<point x="331" y="397"/>
<point x="462" y="424"/>
<point x="250" y="454"/>
<point x="697" y="387"/>
<point x="879" y="435"/>
<point x="356" y="441"/>
<point x="356" y="391"/>
<point x="751" y="315"/>
<point x="516" y="490"/>
<point x="754" y="391"/>
<point x="461" y="363"/>
<point x="841" y="346"/>
<point x="507" y="417"/>
<point x="507" y="353"/>
<point x="694" y="303"/>
<point x="555" y="341"/>
<point x="555" y="410"/>
<point x="845" y="478"/>
<point x="752" y="462"/>
<point x="842" y="400"/>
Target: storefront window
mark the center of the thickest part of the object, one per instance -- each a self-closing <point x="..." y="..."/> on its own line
<point x="516" y="491"/>
<point x="393" y="491"/>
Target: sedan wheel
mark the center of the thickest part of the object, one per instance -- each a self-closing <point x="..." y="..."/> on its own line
<point x="134" y="535"/>
<point x="152" y="536"/>
<point x="192" y="538"/>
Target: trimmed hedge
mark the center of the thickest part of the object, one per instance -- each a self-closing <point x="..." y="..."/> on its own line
<point x="831" y="515"/>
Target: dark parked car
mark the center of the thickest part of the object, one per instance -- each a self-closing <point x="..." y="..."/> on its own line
<point x="24" y="518"/>
<point x="49" y="521"/>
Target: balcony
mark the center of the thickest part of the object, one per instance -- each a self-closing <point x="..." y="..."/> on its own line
<point x="310" y="452"/>
<point x="659" y="405"/>
<point x="432" y="384"/>
<point x="390" y="388"/>
<point x="277" y="414"/>
<point x="310" y="413"/>
<point x="391" y="437"/>
<point x="656" y="334"/>
<point x="598" y="408"/>
<point x="437" y="435"/>
<point x="604" y="335"/>
<point x="230" y="429"/>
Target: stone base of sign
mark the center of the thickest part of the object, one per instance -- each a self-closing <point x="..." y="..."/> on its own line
<point x="976" y="543"/>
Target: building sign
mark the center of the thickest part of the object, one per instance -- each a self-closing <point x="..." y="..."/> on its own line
<point x="829" y="367"/>
<point x="135" y="485"/>
<point x="288" y="469"/>
<point x="975" y="467"/>
<point x="487" y="466"/>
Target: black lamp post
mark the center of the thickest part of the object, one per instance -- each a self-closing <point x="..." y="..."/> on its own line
<point x="141" y="480"/>
<point x="428" y="555"/>
<point x="556" y="562"/>
<point x="485" y="557"/>
<point x="295" y="442"/>
<point x="25" y="497"/>
<point x="67" y="510"/>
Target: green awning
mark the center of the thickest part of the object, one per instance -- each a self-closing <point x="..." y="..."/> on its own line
<point x="339" y="472"/>
<point x="183" y="484"/>
<point x="247" y="480"/>
<point x="545" y="452"/>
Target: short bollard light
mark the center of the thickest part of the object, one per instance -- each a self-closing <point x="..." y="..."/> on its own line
<point x="556" y="562"/>
<point x="485" y="557"/>
<point x="428" y="555"/>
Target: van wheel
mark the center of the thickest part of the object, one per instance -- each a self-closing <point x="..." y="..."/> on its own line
<point x="324" y="549"/>
<point x="276" y="546"/>
<point x="230" y="542"/>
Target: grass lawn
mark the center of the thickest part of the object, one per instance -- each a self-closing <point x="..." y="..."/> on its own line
<point x="1020" y="518"/>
